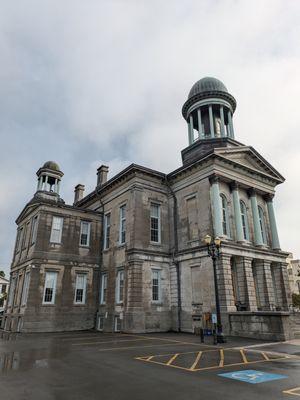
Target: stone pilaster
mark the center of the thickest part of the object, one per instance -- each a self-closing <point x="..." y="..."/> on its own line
<point x="264" y="284"/>
<point x="281" y="285"/>
<point x="225" y="287"/>
<point x="249" y="283"/>
<point x="272" y="221"/>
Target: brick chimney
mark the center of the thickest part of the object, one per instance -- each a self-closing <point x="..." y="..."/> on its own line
<point x="102" y="175"/>
<point x="78" y="193"/>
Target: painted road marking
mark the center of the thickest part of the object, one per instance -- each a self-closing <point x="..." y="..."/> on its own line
<point x="252" y="376"/>
<point x="294" y="391"/>
<point x="242" y="357"/>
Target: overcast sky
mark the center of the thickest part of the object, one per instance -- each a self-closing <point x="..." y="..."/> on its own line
<point x="91" y="82"/>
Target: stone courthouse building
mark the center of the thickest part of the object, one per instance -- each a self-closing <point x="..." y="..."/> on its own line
<point x="129" y="256"/>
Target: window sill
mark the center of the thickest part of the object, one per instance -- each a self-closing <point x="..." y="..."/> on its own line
<point x="120" y="245"/>
<point x="120" y="303"/>
<point x="49" y="304"/>
<point x="84" y="247"/>
<point x="156" y="303"/>
<point x="79" y="304"/>
<point x="155" y="243"/>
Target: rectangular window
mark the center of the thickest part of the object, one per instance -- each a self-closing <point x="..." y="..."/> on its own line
<point x="80" y="289"/>
<point x="34" y="229"/>
<point x="12" y="292"/>
<point x="20" y="239"/>
<point x="56" y="231"/>
<point x="156" y="285"/>
<point x="85" y="228"/>
<point x="106" y="230"/>
<point x="155" y="223"/>
<point x="120" y="286"/>
<point x="103" y="289"/>
<point x="25" y="288"/>
<point x="122" y="229"/>
<point x="50" y="288"/>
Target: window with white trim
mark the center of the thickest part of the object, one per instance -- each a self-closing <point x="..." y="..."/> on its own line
<point x="50" y="287"/>
<point x="25" y="288"/>
<point x="155" y="231"/>
<point x="120" y="286"/>
<point x="262" y="224"/>
<point x="34" y="229"/>
<point x="122" y="228"/>
<point x="244" y="220"/>
<point x="106" y="230"/>
<point x="156" y="285"/>
<point x="80" y="289"/>
<point x="224" y="209"/>
<point x="103" y="288"/>
<point x="56" y="230"/>
<point x="85" y="230"/>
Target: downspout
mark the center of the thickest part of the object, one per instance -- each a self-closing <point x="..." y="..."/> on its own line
<point x="101" y="249"/>
<point x="175" y="253"/>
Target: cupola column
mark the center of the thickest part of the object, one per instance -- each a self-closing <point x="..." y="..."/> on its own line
<point x="222" y="121"/>
<point x="201" y="134"/>
<point x="237" y="212"/>
<point x="272" y="220"/>
<point x="258" y="239"/>
<point x="216" y="205"/>
<point x="191" y="130"/>
<point x="230" y="124"/>
<point x="46" y="182"/>
<point x="211" y="121"/>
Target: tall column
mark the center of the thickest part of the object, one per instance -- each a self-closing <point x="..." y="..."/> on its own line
<point x="272" y="220"/>
<point x="58" y="186"/>
<point x="200" y="132"/>
<point x="191" y="130"/>
<point x="46" y="182"/>
<point x="216" y="206"/>
<point x="258" y="239"/>
<point x="211" y="121"/>
<point x="230" y="124"/>
<point x="222" y="121"/>
<point x="237" y="212"/>
<point x="249" y="283"/>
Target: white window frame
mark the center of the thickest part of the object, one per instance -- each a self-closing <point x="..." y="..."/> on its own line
<point x="119" y="287"/>
<point x="103" y="287"/>
<point x="244" y="217"/>
<point x="107" y="218"/>
<point x="88" y="233"/>
<point x="55" y="229"/>
<point x="122" y="224"/>
<point x="34" y="229"/>
<point x="154" y="271"/>
<point x="152" y="204"/>
<point x="25" y="288"/>
<point x="78" y="276"/>
<point x="225" y="219"/>
<point x="55" y="274"/>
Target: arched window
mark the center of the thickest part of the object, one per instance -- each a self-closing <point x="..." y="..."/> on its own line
<point x="244" y="220"/>
<point x="225" y="225"/>
<point x="262" y="224"/>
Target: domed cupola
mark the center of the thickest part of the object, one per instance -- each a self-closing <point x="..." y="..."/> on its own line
<point x="49" y="177"/>
<point x="208" y="110"/>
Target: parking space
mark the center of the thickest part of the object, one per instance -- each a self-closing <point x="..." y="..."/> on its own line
<point x="92" y="365"/>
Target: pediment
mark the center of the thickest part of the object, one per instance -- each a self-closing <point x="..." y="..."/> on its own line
<point x="251" y="159"/>
<point x="28" y="209"/>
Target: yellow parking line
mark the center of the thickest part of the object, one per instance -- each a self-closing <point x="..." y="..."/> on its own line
<point x="292" y="391"/>
<point x="172" y="359"/>
<point x="265" y="356"/>
<point x="107" y="341"/>
<point x="221" y="364"/>
<point x="196" y="361"/>
<point x="244" y="356"/>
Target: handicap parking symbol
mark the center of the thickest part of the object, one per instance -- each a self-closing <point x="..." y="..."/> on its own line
<point x="252" y="376"/>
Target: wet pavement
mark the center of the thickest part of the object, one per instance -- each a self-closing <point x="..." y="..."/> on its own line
<point x="90" y="365"/>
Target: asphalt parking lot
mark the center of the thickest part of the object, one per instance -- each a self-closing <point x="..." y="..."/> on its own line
<point x="91" y="365"/>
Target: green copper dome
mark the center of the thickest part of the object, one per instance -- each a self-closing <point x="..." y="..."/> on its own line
<point x="51" y="165"/>
<point x="207" y="84"/>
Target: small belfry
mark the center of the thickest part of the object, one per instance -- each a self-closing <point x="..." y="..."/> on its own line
<point x="49" y="177"/>
<point x="208" y="111"/>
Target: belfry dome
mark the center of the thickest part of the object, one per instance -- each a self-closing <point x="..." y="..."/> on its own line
<point x="51" y="165"/>
<point x="207" y="84"/>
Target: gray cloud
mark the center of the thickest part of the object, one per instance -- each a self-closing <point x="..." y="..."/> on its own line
<point x="104" y="81"/>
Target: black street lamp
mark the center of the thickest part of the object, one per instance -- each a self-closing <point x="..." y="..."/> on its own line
<point x="213" y="249"/>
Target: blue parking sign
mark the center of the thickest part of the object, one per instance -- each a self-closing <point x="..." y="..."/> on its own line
<point x="252" y="376"/>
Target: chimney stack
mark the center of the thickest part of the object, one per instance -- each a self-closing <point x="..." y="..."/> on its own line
<point x="79" y="190"/>
<point x="102" y="175"/>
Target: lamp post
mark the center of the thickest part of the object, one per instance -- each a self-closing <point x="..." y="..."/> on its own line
<point x="213" y="250"/>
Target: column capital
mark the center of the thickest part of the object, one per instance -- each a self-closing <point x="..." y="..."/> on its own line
<point x="234" y="185"/>
<point x="252" y="192"/>
<point x="269" y="197"/>
<point x="214" y="178"/>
